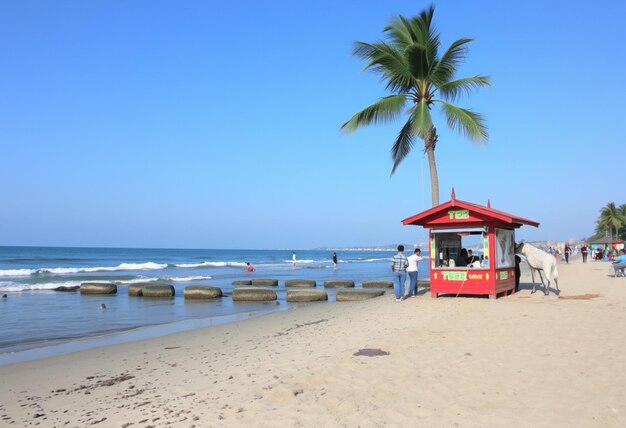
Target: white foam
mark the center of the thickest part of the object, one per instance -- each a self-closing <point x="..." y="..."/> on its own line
<point x="192" y="265"/>
<point x="64" y="271"/>
<point x="14" y="286"/>
<point x="132" y="281"/>
<point x="17" y="272"/>
<point x="187" y="278"/>
<point x="210" y="264"/>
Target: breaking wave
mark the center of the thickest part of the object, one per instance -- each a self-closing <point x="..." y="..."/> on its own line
<point x="15" y="286"/>
<point x="65" y="271"/>
<point x="187" y="278"/>
<point x="209" y="264"/>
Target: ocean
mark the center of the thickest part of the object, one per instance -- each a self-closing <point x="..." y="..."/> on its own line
<point x="37" y="321"/>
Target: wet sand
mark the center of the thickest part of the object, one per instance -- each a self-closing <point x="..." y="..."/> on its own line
<point x="524" y="360"/>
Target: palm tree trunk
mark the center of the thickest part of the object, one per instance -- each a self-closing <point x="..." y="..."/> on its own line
<point x="429" y="147"/>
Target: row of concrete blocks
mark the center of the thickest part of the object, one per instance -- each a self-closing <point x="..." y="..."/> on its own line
<point x="309" y="283"/>
<point x="332" y="283"/>
<point x="241" y="294"/>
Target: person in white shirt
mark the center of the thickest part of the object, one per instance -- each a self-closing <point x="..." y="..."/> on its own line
<point x="412" y="271"/>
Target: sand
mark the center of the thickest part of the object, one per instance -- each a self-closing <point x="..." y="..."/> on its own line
<point x="523" y="360"/>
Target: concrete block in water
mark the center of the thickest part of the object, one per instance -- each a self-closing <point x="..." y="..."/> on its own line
<point x="306" y="295"/>
<point x="253" y="294"/>
<point x="377" y="283"/>
<point x="137" y="289"/>
<point x="265" y="282"/>
<point x="300" y="283"/>
<point x="354" y="295"/>
<point x="97" y="288"/>
<point x="242" y="282"/>
<point x="335" y="283"/>
<point x="66" y="289"/>
<point x="202" y="292"/>
<point x="158" y="290"/>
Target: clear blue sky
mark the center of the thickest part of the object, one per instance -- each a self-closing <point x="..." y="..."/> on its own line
<point x="216" y="124"/>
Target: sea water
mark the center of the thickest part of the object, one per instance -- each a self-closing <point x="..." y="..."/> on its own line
<point x="34" y="316"/>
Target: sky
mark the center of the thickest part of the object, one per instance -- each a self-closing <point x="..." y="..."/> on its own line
<point x="195" y="124"/>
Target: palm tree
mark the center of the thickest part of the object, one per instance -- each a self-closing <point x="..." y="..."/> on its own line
<point x="611" y="218"/>
<point x="415" y="75"/>
<point x="622" y="212"/>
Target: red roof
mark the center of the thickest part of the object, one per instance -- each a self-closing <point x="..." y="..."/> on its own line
<point x="478" y="214"/>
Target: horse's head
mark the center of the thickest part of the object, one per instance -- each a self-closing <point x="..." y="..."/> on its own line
<point x="520" y="247"/>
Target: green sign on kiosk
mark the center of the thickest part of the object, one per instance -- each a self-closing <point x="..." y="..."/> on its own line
<point x="458" y="214"/>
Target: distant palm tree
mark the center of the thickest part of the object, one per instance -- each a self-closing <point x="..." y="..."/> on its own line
<point x="415" y="75"/>
<point x="611" y="218"/>
<point x="622" y="212"/>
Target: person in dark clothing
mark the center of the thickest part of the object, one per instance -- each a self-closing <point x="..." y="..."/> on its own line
<point x="471" y="258"/>
<point x="461" y="260"/>
<point x="568" y="251"/>
<point x="518" y="272"/>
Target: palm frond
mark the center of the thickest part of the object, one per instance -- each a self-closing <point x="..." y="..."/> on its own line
<point x="453" y="89"/>
<point x="427" y="34"/>
<point x="386" y="60"/>
<point x="610" y="215"/>
<point x="400" y="32"/>
<point x="465" y="121"/>
<point x="403" y="145"/>
<point x="416" y="58"/>
<point x="421" y="119"/>
<point x="447" y="65"/>
<point x="383" y="111"/>
<point x="426" y="16"/>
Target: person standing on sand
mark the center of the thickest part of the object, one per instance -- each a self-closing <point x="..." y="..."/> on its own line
<point x="518" y="272"/>
<point x="412" y="271"/>
<point x="293" y="258"/>
<point x="584" y="251"/>
<point x="334" y="260"/>
<point x="567" y="252"/>
<point x="399" y="263"/>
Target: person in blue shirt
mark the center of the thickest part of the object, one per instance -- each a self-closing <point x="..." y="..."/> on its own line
<point x="619" y="264"/>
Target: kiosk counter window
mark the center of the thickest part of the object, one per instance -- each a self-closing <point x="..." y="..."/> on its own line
<point x="449" y="248"/>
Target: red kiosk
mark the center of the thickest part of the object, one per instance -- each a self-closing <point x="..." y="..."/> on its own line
<point x="493" y="273"/>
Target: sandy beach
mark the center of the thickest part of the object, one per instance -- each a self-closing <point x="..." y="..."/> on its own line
<point x="523" y="360"/>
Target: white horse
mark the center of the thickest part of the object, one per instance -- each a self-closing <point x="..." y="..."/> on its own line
<point x="540" y="261"/>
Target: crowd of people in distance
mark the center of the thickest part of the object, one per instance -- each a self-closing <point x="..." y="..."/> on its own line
<point x="605" y="253"/>
<point x="597" y="253"/>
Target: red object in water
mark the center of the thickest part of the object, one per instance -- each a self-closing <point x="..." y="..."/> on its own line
<point x="494" y="274"/>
